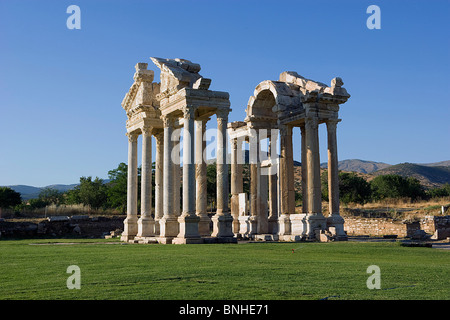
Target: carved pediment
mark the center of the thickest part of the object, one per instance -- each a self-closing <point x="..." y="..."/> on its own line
<point x="177" y="74"/>
<point x="143" y="91"/>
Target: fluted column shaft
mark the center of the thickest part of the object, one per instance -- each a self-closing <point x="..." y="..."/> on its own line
<point x="168" y="223"/>
<point x="285" y="171"/>
<point x="189" y="185"/>
<point x="176" y="161"/>
<point x="222" y="168"/>
<point x="222" y="220"/>
<point x="201" y="179"/>
<point x="313" y="167"/>
<point x="159" y="163"/>
<point x="273" y="198"/>
<point x="333" y="174"/>
<point x="146" y="223"/>
<point x="304" y="171"/>
<point x="130" y="223"/>
<point x="236" y="181"/>
<point x="188" y="221"/>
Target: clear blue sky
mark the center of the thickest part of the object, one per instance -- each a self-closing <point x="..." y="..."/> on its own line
<point x="61" y="89"/>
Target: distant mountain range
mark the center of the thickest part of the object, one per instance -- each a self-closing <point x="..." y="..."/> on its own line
<point x="357" y="165"/>
<point x="429" y="174"/>
<point x="30" y="192"/>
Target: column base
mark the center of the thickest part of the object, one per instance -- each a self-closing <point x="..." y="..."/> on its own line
<point x="157" y="227"/>
<point x="273" y="225"/>
<point x="290" y="238"/>
<point x="298" y="224"/>
<point x="146" y="240"/>
<point x="222" y="226"/>
<point x="164" y="240"/>
<point x="335" y="224"/>
<point x="213" y="240"/>
<point x="204" y="225"/>
<point x="146" y="227"/>
<point x="284" y="225"/>
<point x="168" y="227"/>
<point x="126" y="238"/>
<point x="253" y="225"/>
<point x="130" y="228"/>
<point x="315" y="222"/>
<point x="188" y="228"/>
<point x="262" y="224"/>
<point x="187" y="240"/>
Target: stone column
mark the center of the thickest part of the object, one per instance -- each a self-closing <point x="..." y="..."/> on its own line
<point x="222" y="220"/>
<point x="236" y="181"/>
<point x="204" y="228"/>
<point x="146" y="224"/>
<point x="255" y="172"/>
<point x="188" y="221"/>
<point x="263" y="192"/>
<point x="333" y="174"/>
<point x="290" y="176"/>
<point x="313" y="166"/>
<point x="176" y="161"/>
<point x="284" y="226"/>
<point x="315" y="219"/>
<point x="130" y="223"/>
<point x="304" y="171"/>
<point x="334" y="219"/>
<point x="273" y="198"/>
<point x="159" y="163"/>
<point x="168" y="223"/>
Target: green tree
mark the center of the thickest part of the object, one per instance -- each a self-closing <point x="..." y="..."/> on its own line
<point x="352" y="188"/>
<point x="443" y="191"/>
<point x="50" y="196"/>
<point x="36" y="203"/>
<point x="117" y="187"/>
<point x="89" y="192"/>
<point x="396" y="186"/>
<point x="9" y="197"/>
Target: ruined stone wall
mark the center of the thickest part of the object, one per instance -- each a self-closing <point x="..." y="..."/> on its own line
<point x="436" y="226"/>
<point x="60" y="226"/>
<point x="379" y="227"/>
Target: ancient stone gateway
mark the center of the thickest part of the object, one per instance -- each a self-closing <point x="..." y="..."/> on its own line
<point x="183" y="100"/>
<point x="275" y="108"/>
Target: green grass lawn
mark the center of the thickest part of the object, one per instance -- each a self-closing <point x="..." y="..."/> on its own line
<point x="221" y="271"/>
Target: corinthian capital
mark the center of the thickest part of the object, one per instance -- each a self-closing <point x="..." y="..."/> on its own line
<point x="188" y="113"/>
<point x="222" y="116"/>
<point x="311" y="123"/>
<point x="332" y="123"/>
<point x="132" y="136"/>
<point x="146" y="131"/>
<point x="167" y="121"/>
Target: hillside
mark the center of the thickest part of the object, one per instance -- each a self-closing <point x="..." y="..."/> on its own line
<point x="436" y="164"/>
<point x="30" y="192"/>
<point x="429" y="176"/>
<point x="357" y="165"/>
